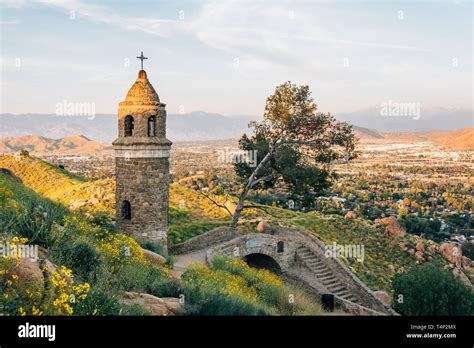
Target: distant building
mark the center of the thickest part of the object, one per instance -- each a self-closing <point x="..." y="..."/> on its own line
<point x="459" y="238"/>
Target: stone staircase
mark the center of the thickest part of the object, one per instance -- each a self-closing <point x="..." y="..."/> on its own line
<point x="302" y="259"/>
<point x="324" y="274"/>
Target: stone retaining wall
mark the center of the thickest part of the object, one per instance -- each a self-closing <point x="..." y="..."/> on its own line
<point x="206" y="240"/>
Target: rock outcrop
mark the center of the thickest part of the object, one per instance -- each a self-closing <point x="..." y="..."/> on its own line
<point x="350" y="215"/>
<point x="392" y="227"/>
<point x="451" y="252"/>
<point x="154" y="305"/>
<point x="29" y="275"/>
<point x="383" y="296"/>
<point x="154" y="258"/>
<point x="263" y="227"/>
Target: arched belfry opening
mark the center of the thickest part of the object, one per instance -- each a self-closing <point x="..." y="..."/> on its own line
<point x="262" y="261"/>
<point x="129" y="124"/>
<point x="126" y="210"/>
<point x="151" y="126"/>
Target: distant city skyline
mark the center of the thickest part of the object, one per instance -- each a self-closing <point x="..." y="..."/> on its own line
<point x="228" y="56"/>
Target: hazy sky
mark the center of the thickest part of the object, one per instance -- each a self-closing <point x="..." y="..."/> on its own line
<point x="228" y="56"/>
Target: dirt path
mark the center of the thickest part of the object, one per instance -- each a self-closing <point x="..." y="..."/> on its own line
<point x="181" y="262"/>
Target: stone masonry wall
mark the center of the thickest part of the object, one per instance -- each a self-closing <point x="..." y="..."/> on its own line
<point x="144" y="182"/>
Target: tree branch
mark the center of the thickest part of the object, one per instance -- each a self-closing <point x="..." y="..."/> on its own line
<point x="265" y="178"/>
<point x="216" y="203"/>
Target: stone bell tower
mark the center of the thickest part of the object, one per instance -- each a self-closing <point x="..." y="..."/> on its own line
<point x="142" y="164"/>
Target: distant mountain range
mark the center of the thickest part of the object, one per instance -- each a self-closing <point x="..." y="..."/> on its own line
<point x="369" y="126"/>
<point x="192" y="126"/>
<point x="200" y="125"/>
<point x="428" y="119"/>
<point x="462" y="139"/>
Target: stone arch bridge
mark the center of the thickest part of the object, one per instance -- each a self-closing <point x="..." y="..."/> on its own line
<point x="294" y="254"/>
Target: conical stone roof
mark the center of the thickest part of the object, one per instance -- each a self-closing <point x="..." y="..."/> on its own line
<point x="142" y="92"/>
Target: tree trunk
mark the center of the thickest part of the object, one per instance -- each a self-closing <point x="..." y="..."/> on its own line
<point x="248" y="186"/>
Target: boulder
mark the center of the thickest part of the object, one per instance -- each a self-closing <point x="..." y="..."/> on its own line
<point x="449" y="266"/>
<point x="392" y="227"/>
<point x="403" y="246"/>
<point x="391" y="268"/>
<point x="350" y="215"/>
<point x="462" y="276"/>
<point x="42" y="252"/>
<point x="451" y="252"/>
<point x="263" y="227"/>
<point x="432" y="248"/>
<point x="29" y="275"/>
<point x="466" y="262"/>
<point x="383" y="296"/>
<point x="419" y="255"/>
<point x="154" y="258"/>
<point x="420" y="247"/>
<point x="154" y="305"/>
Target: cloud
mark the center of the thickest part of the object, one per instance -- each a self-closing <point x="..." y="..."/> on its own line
<point x="277" y="35"/>
<point x="13" y="3"/>
<point x="103" y="14"/>
<point x="10" y="22"/>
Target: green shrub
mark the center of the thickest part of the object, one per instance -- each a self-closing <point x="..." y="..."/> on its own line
<point x="429" y="290"/>
<point x="468" y="250"/>
<point x="155" y="247"/>
<point x="138" y="277"/>
<point x="199" y="302"/>
<point x="78" y="255"/>
<point x="180" y="232"/>
<point x="24" y="212"/>
<point x="99" y="302"/>
<point x="167" y="288"/>
<point x="268" y="284"/>
<point x="133" y="310"/>
<point x="101" y="218"/>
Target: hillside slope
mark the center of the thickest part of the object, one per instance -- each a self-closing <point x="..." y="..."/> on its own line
<point x="108" y="273"/>
<point x="462" y="139"/>
<point x="72" y="144"/>
<point x="192" y="214"/>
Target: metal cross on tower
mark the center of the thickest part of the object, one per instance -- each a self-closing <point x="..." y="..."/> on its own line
<point x="142" y="58"/>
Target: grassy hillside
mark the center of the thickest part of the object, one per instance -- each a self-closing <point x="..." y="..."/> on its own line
<point x="85" y="258"/>
<point x="73" y="144"/>
<point x="192" y="214"/>
<point x="381" y="253"/>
